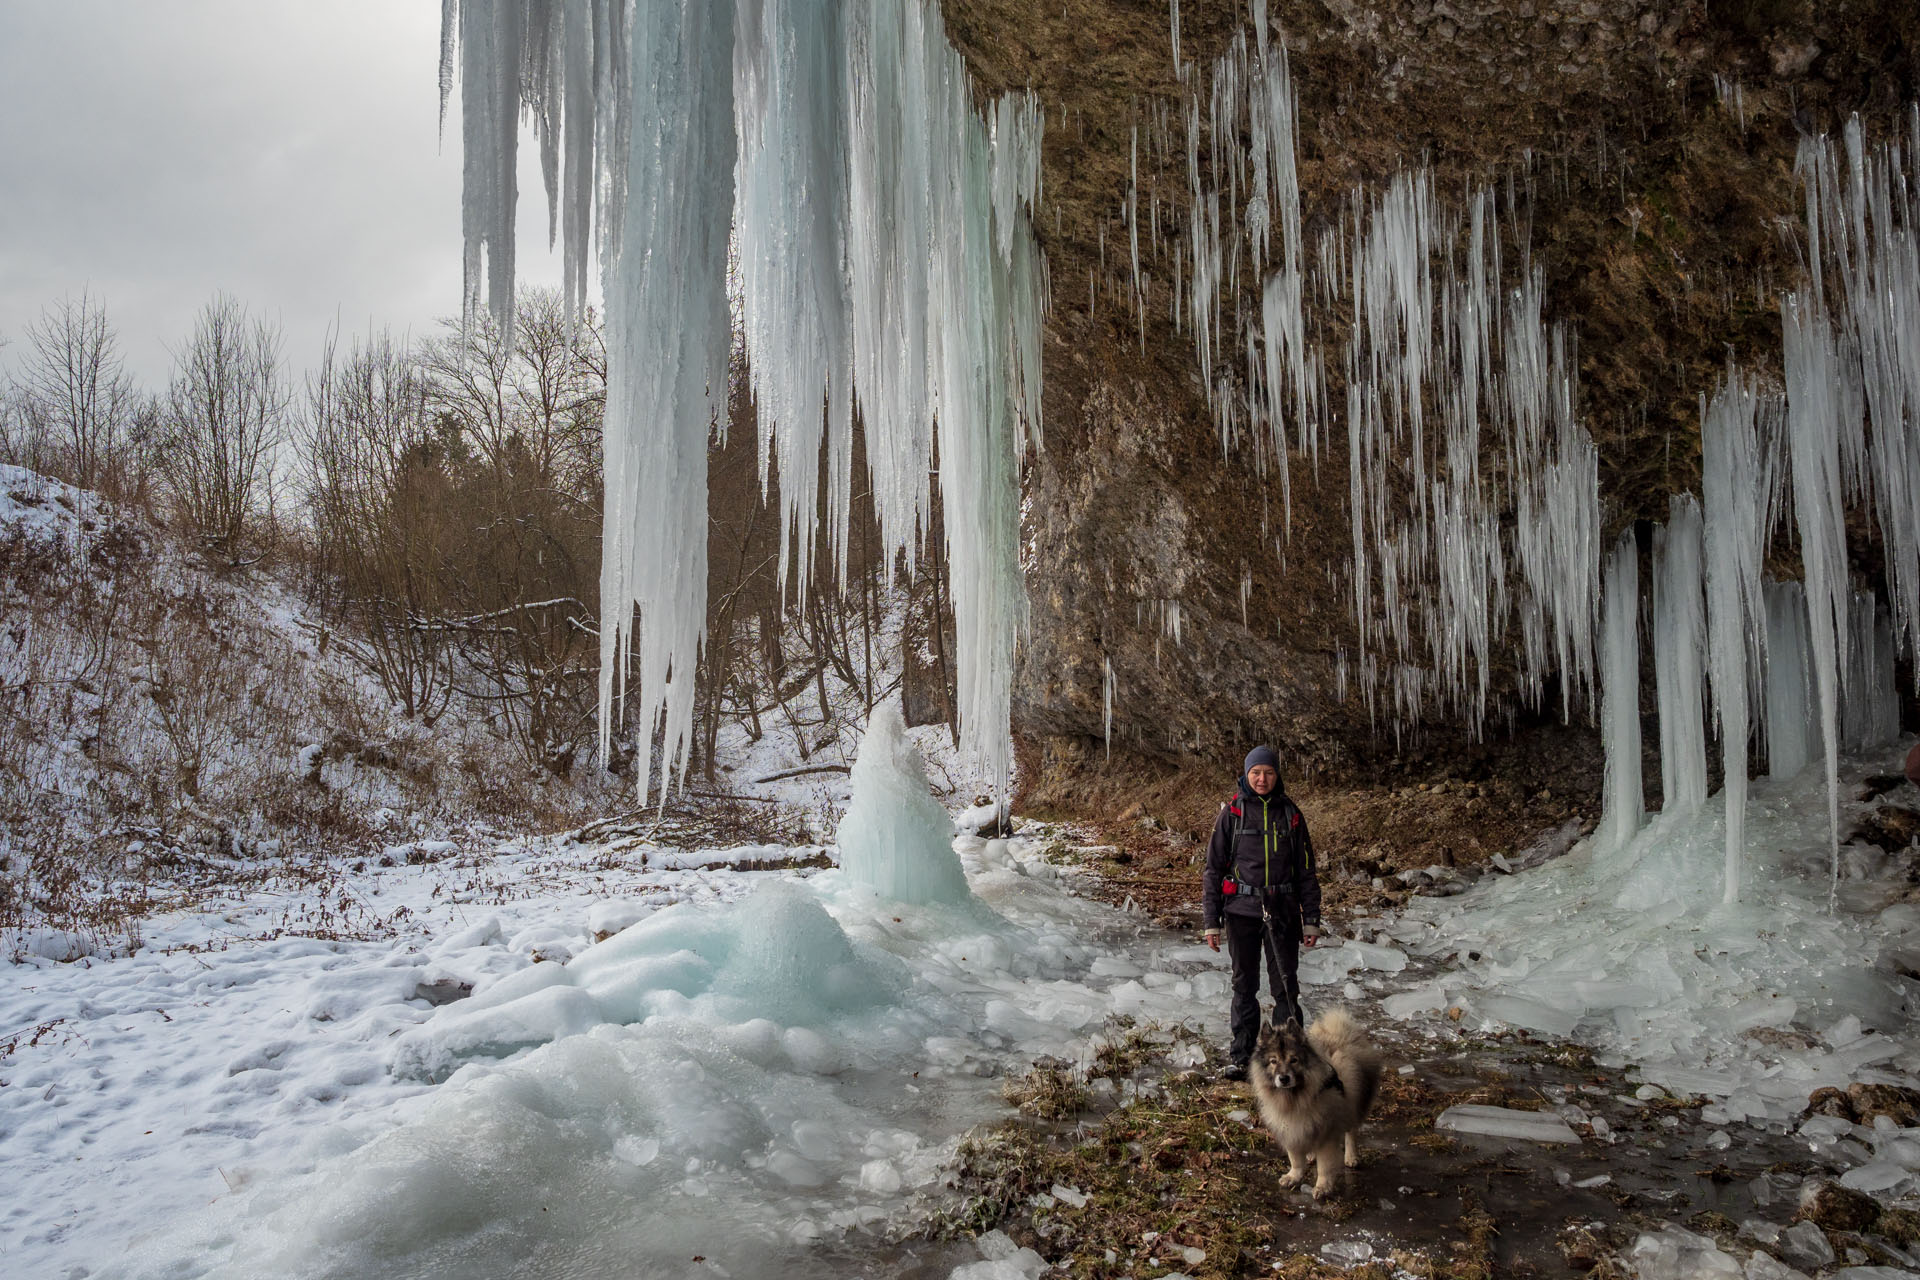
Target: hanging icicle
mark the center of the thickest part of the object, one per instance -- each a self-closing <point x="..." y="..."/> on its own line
<point x="1736" y="486"/>
<point x="886" y="260"/>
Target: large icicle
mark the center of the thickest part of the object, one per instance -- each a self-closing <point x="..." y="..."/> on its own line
<point x="1679" y="654"/>
<point x="492" y="36"/>
<point x="790" y="215"/>
<point x="1817" y="406"/>
<point x="886" y="259"/>
<point x="1863" y="220"/>
<point x="668" y="339"/>
<point x="1736" y="492"/>
<point x="1623" y="803"/>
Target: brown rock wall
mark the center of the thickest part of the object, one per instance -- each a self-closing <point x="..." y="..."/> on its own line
<point x="1652" y="146"/>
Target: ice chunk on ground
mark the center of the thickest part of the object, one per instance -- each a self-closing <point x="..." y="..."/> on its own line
<point x="1430" y="998"/>
<point x="1520" y="1012"/>
<point x="1504" y="1122"/>
<point x="1374" y="956"/>
<point x="1879" y="1175"/>
<point x="1323" y="966"/>
<point x="1805" y="1245"/>
<point x="1764" y="1266"/>
<point x="1347" y="1253"/>
<point x="1002" y="1259"/>
<point x="1674" y="1254"/>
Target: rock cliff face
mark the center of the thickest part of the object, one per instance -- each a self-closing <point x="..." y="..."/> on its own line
<point x="1644" y="157"/>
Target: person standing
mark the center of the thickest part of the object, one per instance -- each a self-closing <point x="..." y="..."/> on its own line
<point x="1262" y="887"/>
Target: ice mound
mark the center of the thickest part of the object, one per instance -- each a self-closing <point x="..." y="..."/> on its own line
<point x="591" y="1152"/>
<point x="895" y="837"/>
<point x="776" y="956"/>
<point x="1632" y="950"/>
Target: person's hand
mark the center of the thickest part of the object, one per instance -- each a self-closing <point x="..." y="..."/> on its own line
<point x="1213" y="939"/>
<point x="1309" y="935"/>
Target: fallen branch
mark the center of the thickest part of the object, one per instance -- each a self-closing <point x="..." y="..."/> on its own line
<point x="797" y="773"/>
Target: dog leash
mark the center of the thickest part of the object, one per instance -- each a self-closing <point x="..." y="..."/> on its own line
<point x="1272" y="946"/>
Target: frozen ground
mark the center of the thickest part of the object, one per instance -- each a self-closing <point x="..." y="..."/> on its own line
<point x="764" y="1060"/>
<point x="1753" y="1004"/>
<point x="756" y="1065"/>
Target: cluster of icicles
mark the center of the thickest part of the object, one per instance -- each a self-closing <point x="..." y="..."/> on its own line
<point x="1474" y="494"/>
<point x="1820" y="653"/>
<point x="818" y="164"/>
<point x="1473" y="489"/>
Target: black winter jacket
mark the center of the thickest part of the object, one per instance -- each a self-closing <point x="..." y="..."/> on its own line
<point x="1271" y="851"/>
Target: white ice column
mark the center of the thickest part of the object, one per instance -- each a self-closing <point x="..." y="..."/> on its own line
<point x="1736" y="494"/>
<point x="1818" y="407"/>
<point x="1679" y="651"/>
<point x="1792" y="728"/>
<point x="1624" y="804"/>
<point x="668" y="341"/>
<point x="790" y="219"/>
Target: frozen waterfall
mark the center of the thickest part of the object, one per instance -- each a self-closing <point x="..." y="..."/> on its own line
<point x="886" y="266"/>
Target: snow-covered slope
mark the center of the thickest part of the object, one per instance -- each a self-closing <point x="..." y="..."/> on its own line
<point x="164" y="727"/>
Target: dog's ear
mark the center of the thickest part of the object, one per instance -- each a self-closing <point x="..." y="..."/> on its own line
<point x="1293" y="1024"/>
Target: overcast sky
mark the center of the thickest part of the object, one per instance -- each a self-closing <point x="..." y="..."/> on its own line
<point x="285" y="151"/>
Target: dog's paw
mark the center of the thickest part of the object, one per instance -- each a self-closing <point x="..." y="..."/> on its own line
<point x="1321" y="1190"/>
<point x="1288" y="1181"/>
<point x="1353" y="1160"/>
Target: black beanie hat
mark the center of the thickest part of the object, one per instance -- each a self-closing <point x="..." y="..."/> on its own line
<point x="1261" y="755"/>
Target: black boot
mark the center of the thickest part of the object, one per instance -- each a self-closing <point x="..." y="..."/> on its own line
<point x="1234" y="1071"/>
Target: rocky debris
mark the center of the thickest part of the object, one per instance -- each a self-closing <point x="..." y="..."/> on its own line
<point x="1890" y="827"/>
<point x="1860" y="1102"/>
<point x="1837" y="1208"/>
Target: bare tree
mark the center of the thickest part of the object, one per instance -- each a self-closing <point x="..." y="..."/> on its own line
<point x="375" y="494"/>
<point x="227" y="415"/>
<point x="76" y="396"/>
<point x="522" y="569"/>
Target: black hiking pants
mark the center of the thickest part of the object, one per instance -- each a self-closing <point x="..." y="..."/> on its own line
<point x="1246" y="938"/>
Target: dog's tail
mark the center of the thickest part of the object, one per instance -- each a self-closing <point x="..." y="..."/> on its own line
<point x="1335" y="1031"/>
<point x="1337" y="1037"/>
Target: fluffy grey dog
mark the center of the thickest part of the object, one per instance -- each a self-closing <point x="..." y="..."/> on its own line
<point x="1314" y="1089"/>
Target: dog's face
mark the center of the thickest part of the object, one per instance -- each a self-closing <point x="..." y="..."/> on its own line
<point x="1286" y="1056"/>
